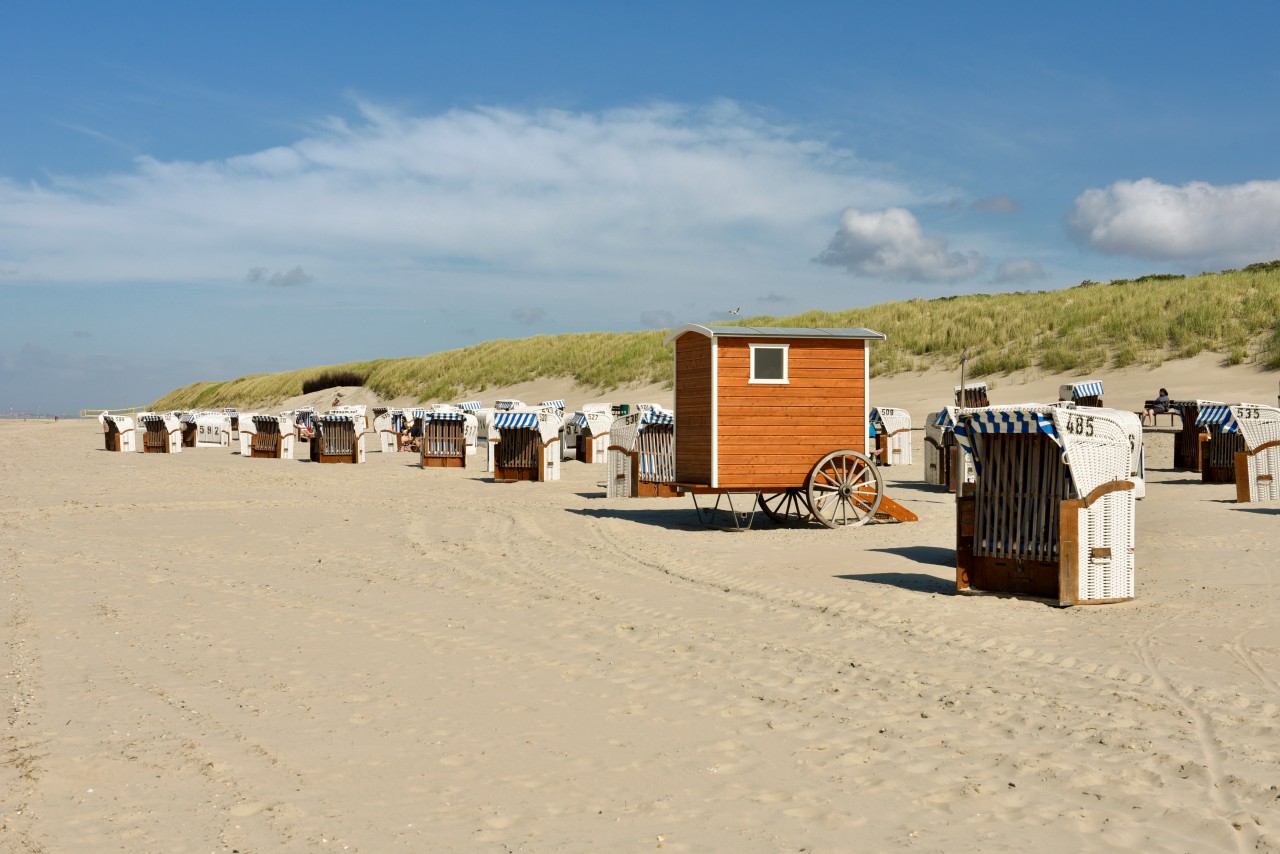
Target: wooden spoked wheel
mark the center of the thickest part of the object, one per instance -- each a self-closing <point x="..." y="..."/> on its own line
<point x="786" y="508"/>
<point x="845" y="489"/>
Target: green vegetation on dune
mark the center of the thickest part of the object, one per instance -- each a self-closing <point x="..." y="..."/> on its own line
<point x="1071" y="331"/>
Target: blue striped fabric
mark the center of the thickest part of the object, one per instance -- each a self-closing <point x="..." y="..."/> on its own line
<point x="469" y="405"/>
<point x="554" y="404"/>
<point x="1086" y="389"/>
<point x="579" y="420"/>
<point x="334" y="419"/>
<point x="651" y="416"/>
<point x="515" y="420"/>
<point x="1001" y="421"/>
<point x="446" y="416"/>
<point x="1217" y="414"/>
<point x="944" y="420"/>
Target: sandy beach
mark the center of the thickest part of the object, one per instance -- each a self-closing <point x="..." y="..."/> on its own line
<point x="207" y="653"/>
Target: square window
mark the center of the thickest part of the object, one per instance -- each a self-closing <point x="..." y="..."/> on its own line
<point x="768" y="363"/>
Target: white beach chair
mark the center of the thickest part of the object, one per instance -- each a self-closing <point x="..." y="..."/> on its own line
<point x="119" y="432"/>
<point x="641" y="456"/>
<point x="1051" y="512"/>
<point x="527" y="446"/>
<point x="1258" y="463"/>
<point x="893" y="434"/>
<point x="162" y="433"/>
<point x="1083" y="393"/>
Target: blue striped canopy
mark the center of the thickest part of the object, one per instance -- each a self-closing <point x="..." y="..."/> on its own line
<point x="554" y="404"/>
<point x="469" y="405"/>
<point x="1089" y="388"/>
<point x="579" y="420"/>
<point x="652" y="416"/>
<point x="1001" y="421"/>
<point x="445" y="416"/>
<point x="944" y="420"/>
<point x="1217" y="414"/>
<point x="334" y="419"/>
<point x="515" y="420"/>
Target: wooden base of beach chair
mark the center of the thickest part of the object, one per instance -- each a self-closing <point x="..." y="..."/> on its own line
<point x="444" y="462"/>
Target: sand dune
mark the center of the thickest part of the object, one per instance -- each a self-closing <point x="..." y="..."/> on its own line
<point x="204" y="653"/>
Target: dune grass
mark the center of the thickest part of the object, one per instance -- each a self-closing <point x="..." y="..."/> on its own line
<point x="1235" y="313"/>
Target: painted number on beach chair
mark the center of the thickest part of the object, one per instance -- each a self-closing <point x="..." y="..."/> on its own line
<point x="1080" y="425"/>
<point x="1250" y="412"/>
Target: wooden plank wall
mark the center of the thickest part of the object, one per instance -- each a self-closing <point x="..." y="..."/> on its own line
<point x="772" y="435"/>
<point x="693" y="409"/>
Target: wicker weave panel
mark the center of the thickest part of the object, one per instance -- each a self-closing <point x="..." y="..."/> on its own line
<point x="1107" y="539"/>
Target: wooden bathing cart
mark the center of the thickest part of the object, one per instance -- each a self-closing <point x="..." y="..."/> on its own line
<point x="527" y="445"/>
<point x="1051" y="511"/>
<point x="119" y="432"/>
<point x="642" y="461"/>
<point x="778" y="415"/>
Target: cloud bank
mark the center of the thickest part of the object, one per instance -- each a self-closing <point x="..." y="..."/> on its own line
<point x="891" y="244"/>
<point x="623" y="193"/>
<point x="1233" y="223"/>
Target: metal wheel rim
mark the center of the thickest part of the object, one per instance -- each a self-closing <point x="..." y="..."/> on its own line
<point x="845" y="489"/>
<point x="786" y="508"/>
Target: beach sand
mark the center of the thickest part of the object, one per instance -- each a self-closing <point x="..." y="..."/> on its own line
<point x="205" y="653"/>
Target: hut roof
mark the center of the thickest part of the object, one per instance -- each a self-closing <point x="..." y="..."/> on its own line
<point x="773" y="332"/>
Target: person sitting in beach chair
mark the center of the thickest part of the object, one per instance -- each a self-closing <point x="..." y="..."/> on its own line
<point x="1159" y="406"/>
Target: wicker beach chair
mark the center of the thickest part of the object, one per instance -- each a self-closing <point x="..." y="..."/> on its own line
<point x="893" y="435"/>
<point x="1257" y="465"/>
<point x="1051" y="511"/>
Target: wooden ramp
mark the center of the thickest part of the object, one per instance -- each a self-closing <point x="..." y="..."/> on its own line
<point x="892" y="511"/>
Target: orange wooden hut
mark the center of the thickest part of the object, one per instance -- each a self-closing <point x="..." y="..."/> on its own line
<point x="765" y="410"/>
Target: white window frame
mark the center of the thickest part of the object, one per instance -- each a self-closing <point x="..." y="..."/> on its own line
<point x="786" y="358"/>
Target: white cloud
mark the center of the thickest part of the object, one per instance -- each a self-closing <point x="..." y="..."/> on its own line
<point x="660" y="193"/>
<point x="1232" y="224"/>
<point x="1018" y="270"/>
<point x="891" y="244"/>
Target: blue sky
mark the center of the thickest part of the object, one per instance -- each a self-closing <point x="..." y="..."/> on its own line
<point x="198" y="193"/>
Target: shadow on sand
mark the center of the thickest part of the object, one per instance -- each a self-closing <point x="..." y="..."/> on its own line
<point x="917" y="582"/>
<point x="1265" y="511"/>
<point x="677" y="517"/>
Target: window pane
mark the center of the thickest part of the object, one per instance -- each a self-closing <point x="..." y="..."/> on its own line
<point x="769" y="363"/>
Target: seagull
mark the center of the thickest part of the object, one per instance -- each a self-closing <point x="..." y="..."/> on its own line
<point x="737" y="310"/>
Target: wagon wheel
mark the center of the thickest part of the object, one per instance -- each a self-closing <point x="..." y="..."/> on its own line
<point x="786" y="508"/>
<point x="845" y="489"/>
